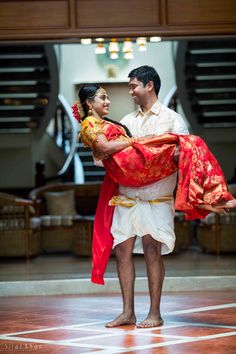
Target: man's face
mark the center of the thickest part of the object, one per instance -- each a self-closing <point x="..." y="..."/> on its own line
<point x="138" y="91"/>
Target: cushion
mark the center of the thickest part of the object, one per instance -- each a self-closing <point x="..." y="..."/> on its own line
<point x="60" y="203"/>
<point x="56" y="220"/>
<point x="18" y="224"/>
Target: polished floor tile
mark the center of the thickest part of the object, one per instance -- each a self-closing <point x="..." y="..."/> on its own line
<point x="194" y="322"/>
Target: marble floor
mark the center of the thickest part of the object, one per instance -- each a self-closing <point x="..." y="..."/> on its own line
<point x="194" y="322"/>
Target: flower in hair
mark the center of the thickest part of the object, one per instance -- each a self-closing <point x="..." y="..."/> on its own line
<point x="78" y="111"/>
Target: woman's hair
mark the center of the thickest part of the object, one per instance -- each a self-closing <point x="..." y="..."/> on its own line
<point x="88" y="92"/>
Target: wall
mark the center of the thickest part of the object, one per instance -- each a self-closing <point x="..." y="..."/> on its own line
<point x="72" y="19"/>
<point x="78" y="64"/>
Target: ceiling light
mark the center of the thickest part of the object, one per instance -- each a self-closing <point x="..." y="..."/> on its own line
<point x="113" y="45"/>
<point x="155" y="39"/>
<point x="86" y="40"/>
<point x="100" y="39"/>
<point x="100" y="49"/>
<point x="141" y="42"/>
<point x="114" y="55"/>
<point x="129" y="55"/>
<point x="127" y="46"/>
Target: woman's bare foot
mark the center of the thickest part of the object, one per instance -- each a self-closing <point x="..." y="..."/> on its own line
<point x="213" y="209"/>
<point x="151" y="321"/>
<point x="230" y="204"/>
<point x="122" y="320"/>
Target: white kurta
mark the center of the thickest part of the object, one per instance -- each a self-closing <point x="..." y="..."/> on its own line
<point x="144" y="218"/>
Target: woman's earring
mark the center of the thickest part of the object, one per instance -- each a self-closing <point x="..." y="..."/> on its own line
<point x="90" y="111"/>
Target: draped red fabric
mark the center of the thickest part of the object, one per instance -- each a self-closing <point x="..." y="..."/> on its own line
<point x="102" y="238"/>
<point x="145" y="162"/>
<point x="200" y="178"/>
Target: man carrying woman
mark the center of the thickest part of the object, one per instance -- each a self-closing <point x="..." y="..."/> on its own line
<point x="136" y="200"/>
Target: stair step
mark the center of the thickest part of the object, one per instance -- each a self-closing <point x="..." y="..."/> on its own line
<point x="194" y="70"/>
<point x="214" y="96"/>
<point x="211" y="58"/>
<point x="23" y="63"/>
<point x="37" y="113"/>
<point x="215" y="108"/>
<point x="193" y="83"/>
<point x="18" y="49"/>
<point x="40" y="88"/>
<point x="213" y="44"/>
<point x="94" y="173"/>
<point x="15" y="131"/>
<point x="17" y="102"/>
<point x="41" y="75"/>
<point x="18" y="125"/>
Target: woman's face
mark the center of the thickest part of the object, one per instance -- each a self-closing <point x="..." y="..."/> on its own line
<point x="101" y="103"/>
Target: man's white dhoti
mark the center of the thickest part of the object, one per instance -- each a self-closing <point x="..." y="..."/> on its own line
<point x="155" y="219"/>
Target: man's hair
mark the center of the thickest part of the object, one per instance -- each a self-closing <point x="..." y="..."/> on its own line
<point x="145" y="74"/>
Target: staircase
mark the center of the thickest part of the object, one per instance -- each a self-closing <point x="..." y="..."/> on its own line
<point x="206" y="81"/>
<point x="29" y="101"/>
<point x="92" y="173"/>
<point x="28" y="88"/>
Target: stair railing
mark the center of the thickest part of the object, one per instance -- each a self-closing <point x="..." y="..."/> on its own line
<point x="171" y="99"/>
<point x="64" y="130"/>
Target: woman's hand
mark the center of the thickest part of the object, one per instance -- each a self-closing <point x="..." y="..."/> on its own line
<point x="105" y="147"/>
<point x="98" y="155"/>
<point x="176" y="154"/>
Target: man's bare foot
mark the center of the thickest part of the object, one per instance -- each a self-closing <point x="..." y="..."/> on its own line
<point x="151" y="321"/>
<point x="122" y="320"/>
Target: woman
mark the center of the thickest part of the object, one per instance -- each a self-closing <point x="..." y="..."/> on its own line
<point x="139" y="162"/>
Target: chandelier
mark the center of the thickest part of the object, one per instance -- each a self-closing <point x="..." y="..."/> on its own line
<point x="119" y="48"/>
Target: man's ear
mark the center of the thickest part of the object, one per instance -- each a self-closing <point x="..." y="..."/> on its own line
<point x="150" y="85"/>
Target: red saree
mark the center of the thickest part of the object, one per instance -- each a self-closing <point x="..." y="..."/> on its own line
<point x="200" y="178"/>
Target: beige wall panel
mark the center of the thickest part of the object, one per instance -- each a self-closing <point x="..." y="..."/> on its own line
<point x="118" y="13"/>
<point x="192" y="12"/>
<point x="33" y="14"/>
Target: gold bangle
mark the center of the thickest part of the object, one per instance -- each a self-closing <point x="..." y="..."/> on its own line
<point x="132" y="140"/>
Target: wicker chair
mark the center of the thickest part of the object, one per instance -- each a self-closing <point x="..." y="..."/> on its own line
<point x="67" y="228"/>
<point x="19" y="232"/>
<point x="217" y="233"/>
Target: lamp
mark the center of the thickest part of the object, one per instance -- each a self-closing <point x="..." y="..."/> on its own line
<point x="86" y="40"/>
<point x="128" y="49"/>
<point x="114" y="49"/>
<point x="141" y="42"/>
<point x="100" y="49"/>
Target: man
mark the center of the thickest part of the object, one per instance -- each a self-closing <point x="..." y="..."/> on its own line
<point x="150" y="222"/>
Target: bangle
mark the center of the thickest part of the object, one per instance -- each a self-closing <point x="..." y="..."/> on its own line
<point x="131" y="141"/>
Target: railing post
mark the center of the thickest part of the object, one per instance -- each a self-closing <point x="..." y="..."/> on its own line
<point x="40" y="176"/>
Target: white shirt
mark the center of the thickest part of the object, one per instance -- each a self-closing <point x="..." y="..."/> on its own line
<point x="158" y="120"/>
